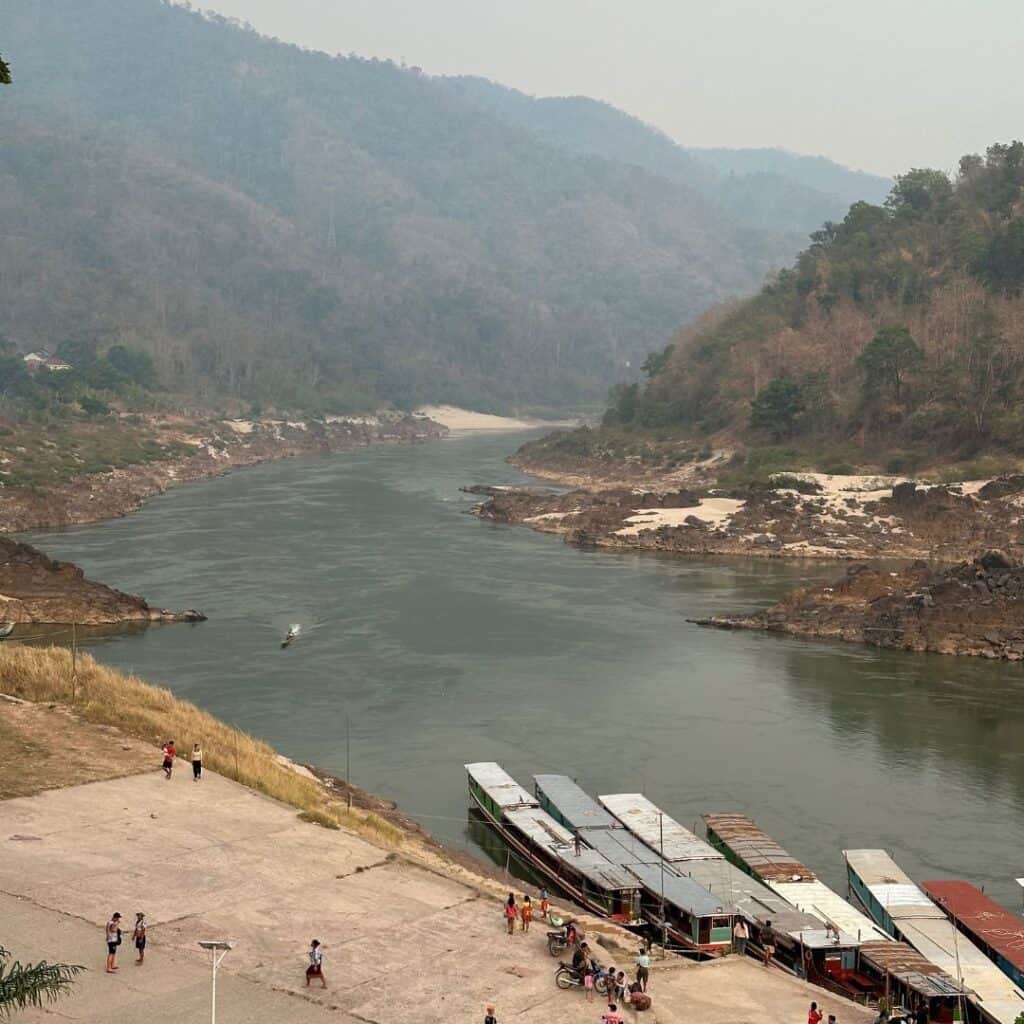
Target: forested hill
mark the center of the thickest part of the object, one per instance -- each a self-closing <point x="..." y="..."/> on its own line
<point x="899" y="331"/>
<point x="282" y="225"/>
<point x="761" y="188"/>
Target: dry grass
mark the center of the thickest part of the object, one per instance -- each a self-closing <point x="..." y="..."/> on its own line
<point x="154" y="714"/>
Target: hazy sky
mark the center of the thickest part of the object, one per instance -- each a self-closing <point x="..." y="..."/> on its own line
<point x="877" y="84"/>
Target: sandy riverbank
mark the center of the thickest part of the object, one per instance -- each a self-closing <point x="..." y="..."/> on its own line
<point x="461" y="420"/>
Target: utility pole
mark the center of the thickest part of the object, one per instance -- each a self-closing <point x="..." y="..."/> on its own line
<point x="74" y="661"/>
<point x="348" y="761"/>
<point x="661" y="844"/>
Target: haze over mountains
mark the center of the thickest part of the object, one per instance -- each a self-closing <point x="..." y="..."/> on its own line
<point x="284" y="226"/>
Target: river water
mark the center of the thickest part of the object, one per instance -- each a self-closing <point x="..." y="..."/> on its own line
<point x="441" y="640"/>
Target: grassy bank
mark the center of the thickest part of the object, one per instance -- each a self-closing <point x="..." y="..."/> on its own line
<point x="154" y="714"/>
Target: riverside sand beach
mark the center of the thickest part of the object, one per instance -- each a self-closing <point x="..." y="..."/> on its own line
<point x="408" y="934"/>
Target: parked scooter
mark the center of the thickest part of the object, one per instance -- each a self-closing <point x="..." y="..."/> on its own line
<point x="567" y="976"/>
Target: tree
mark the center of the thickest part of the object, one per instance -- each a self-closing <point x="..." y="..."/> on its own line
<point x="656" y="361"/>
<point x="5" y="72"/>
<point x="623" y="401"/>
<point x="777" y="407"/>
<point x="133" y="363"/>
<point x="887" y="359"/>
<point x="920" y="192"/>
<point x="25" y="985"/>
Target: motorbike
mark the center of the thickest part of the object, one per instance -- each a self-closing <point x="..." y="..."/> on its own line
<point x="567" y="976"/>
<point x="558" y="941"/>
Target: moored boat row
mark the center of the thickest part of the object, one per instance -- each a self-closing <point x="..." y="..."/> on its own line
<point x="623" y="857"/>
<point x="906" y="912"/>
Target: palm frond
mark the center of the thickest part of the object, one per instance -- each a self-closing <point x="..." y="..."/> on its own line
<point x="25" y="985"/>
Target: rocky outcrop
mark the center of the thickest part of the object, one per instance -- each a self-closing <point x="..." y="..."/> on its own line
<point x="796" y="516"/>
<point x="975" y="608"/>
<point x="38" y="589"/>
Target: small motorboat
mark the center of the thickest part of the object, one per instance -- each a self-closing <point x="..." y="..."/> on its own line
<point x="292" y="635"/>
<point x="6" y="629"/>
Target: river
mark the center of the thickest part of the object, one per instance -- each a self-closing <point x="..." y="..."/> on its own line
<point x="440" y="640"/>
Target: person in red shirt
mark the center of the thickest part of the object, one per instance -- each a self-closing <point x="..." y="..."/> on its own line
<point x="511" y="913"/>
<point x="814" y="1015"/>
<point x="169" y="755"/>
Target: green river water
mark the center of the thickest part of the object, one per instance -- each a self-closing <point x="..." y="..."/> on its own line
<point x="444" y="640"/>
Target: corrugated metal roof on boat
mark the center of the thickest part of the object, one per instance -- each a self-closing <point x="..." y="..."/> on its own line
<point x="575" y="805"/>
<point x="620" y="846"/>
<point x="679" y="890"/>
<point x="816" y="898"/>
<point x="940" y="942"/>
<point x="907" y="964"/>
<point x="660" y="832"/>
<point x="891" y="886"/>
<point x="499" y="785"/>
<point x="765" y="857"/>
<point x="754" y="901"/>
<point x="542" y="830"/>
<point x="993" y="924"/>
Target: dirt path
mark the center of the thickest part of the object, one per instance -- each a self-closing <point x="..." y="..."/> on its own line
<point x="46" y="748"/>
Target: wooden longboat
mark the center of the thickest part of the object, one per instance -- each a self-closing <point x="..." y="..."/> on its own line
<point x="549" y="848"/>
<point x="695" y="918"/>
<point x="892" y="898"/>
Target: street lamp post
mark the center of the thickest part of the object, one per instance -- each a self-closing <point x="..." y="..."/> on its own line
<point x="215" y="946"/>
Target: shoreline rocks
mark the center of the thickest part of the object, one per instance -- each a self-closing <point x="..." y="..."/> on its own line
<point x="37" y="589"/>
<point x="975" y="608"/>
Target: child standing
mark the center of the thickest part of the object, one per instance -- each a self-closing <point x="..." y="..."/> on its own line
<point x="588" y="983"/>
<point x="316" y="964"/>
<point x="511" y="913"/>
<point x="545" y="906"/>
<point x="526" y="913"/>
<point x="197" y="762"/>
<point x="490" y="1018"/>
<point x="139" y="936"/>
<point x="169" y="753"/>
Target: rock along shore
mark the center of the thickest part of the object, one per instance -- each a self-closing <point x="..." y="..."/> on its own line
<point x="975" y="608"/>
<point x="38" y="589"/>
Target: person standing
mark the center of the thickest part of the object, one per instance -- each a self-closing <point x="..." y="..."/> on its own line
<point x="612" y="1016"/>
<point x="545" y="905"/>
<point x="814" y="1015"/>
<point x="884" y="1009"/>
<point x="139" y="937"/>
<point x="489" y="1017"/>
<point x="197" y="762"/>
<point x="740" y="935"/>
<point x="511" y="913"/>
<point x="113" y="941"/>
<point x="768" y="942"/>
<point x="316" y="964"/>
<point x="169" y="754"/>
<point x="526" y="913"/>
<point x="643" y="967"/>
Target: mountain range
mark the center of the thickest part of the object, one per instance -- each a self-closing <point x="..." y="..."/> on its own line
<point x="300" y="229"/>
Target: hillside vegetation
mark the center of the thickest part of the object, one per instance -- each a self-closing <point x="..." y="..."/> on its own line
<point x="279" y="225"/>
<point x="898" y="335"/>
